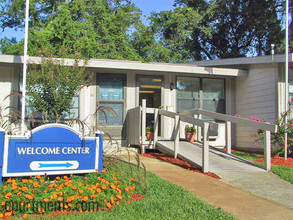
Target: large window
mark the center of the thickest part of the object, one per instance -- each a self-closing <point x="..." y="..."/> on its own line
<point x="111" y="94"/>
<point x="205" y="93"/>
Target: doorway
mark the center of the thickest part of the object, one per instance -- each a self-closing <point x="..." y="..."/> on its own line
<point x="150" y="89"/>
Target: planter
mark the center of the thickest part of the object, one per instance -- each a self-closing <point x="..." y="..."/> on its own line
<point x="190" y="136"/>
<point x="150" y="135"/>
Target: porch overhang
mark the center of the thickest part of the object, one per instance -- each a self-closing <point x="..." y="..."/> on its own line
<point x="139" y="66"/>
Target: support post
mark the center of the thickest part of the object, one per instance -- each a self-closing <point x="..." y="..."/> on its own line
<point x="205" y="149"/>
<point x="199" y="130"/>
<point x="2" y="132"/>
<point x="176" y="135"/>
<point x="267" y="150"/>
<point x="228" y="137"/>
<point x="156" y="126"/>
<point x="196" y="127"/>
<point x="143" y="125"/>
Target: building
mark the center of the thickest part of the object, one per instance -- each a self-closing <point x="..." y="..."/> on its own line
<point x="250" y="87"/>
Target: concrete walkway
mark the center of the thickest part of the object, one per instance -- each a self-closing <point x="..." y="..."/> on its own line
<point x="219" y="161"/>
<point x="237" y="202"/>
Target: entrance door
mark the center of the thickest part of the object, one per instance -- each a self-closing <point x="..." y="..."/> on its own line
<point x="150" y="88"/>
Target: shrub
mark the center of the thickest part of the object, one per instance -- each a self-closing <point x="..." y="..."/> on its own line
<point x="52" y="85"/>
<point x="278" y="138"/>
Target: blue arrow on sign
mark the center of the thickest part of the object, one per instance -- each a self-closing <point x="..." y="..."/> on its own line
<point x="41" y="165"/>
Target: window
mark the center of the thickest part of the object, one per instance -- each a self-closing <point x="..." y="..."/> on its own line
<point x="189" y="90"/>
<point x="111" y="94"/>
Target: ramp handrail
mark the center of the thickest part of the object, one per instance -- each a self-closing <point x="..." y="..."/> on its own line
<point x="206" y="125"/>
<point x="267" y="127"/>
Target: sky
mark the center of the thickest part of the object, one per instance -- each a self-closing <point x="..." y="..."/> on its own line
<point x="147" y="6"/>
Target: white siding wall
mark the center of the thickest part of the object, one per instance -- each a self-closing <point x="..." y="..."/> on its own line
<point x="8" y="83"/>
<point x="256" y="96"/>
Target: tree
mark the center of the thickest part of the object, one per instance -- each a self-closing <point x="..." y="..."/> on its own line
<point x="199" y="29"/>
<point x="99" y="27"/>
<point x="52" y="85"/>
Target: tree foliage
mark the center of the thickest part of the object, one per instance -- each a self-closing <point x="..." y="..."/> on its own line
<point x="200" y="29"/>
<point x="112" y="29"/>
<point x="99" y="27"/>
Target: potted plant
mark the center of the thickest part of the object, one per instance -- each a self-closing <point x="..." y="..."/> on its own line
<point x="190" y="133"/>
<point x="149" y="133"/>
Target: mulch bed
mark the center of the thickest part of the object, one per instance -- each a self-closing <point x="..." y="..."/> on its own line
<point x="276" y="160"/>
<point x="178" y="162"/>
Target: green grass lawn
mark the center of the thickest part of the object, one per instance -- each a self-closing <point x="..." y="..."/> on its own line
<point x="163" y="200"/>
<point x="284" y="172"/>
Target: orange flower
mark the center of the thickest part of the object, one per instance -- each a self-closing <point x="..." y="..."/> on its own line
<point x="113" y="186"/>
<point x="131" y="179"/>
<point x="9" y="180"/>
<point x="100" y="178"/>
<point x="38" y="176"/>
<point x="54" y="196"/>
<point x="93" y="196"/>
<point x="117" y="202"/>
<point x="1" y="215"/>
<point x="30" y="181"/>
<point x="8" y="214"/>
<point x="97" y="170"/>
<point x="126" y="189"/>
<point x="58" y="178"/>
<point x="3" y="203"/>
<point x="60" y="199"/>
<point x="86" y="178"/>
<point x="42" y="180"/>
<point x="19" y="194"/>
<point x="118" y="196"/>
<point x="60" y="194"/>
<point x="4" y="187"/>
<point x="65" y="177"/>
<point x="85" y="198"/>
<point x="24" y="215"/>
<point x="74" y="188"/>
<point x="24" y="180"/>
<point x="81" y="191"/>
<point x="104" y="171"/>
<point x="104" y="187"/>
<point x="44" y="191"/>
<point x="80" y="184"/>
<point x="108" y="204"/>
<point x="46" y="200"/>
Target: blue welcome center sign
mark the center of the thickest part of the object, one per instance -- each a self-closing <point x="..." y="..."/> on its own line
<point x="50" y="149"/>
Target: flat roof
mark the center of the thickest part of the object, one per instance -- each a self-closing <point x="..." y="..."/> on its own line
<point x="278" y="58"/>
<point x="138" y="66"/>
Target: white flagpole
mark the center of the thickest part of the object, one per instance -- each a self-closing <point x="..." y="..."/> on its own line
<point x="25" y="58"/>
<point x="287" y="75"/>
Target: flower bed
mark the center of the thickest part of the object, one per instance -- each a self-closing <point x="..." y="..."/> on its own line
<point x="178" y="162"/>
<point x="67" y="194"/>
